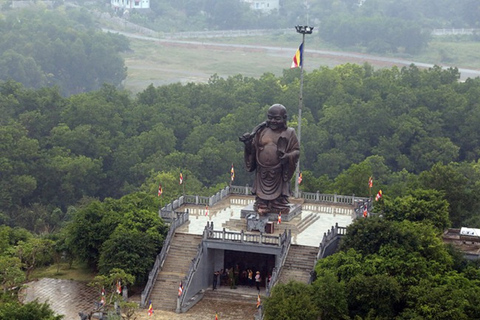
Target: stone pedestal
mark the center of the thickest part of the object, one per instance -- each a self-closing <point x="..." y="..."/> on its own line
<point x="295" y="209"/>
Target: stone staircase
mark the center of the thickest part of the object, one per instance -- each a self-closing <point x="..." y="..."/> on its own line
<point x="179" y="258"/>
<point x="299" y="264"/>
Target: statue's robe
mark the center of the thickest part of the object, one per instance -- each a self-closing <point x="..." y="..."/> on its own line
<point x="272" y="176"/>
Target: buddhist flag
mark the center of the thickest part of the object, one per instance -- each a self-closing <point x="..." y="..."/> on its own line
<point x="298" y="57"/>
<point x="160" y="190"/>
<point x="181" y="177"/>
<point x="365" y="211"/>
<point x="370" y="182"/>
<point x="259" y="302"/>
<point x="206" y="210"/>
<point x="119" y="287"/>
<point x="102" y="300"/>
<point x="379" y="195"/>
<point x="279" y="218"/>
<point x="150" y="309"/>
<point x="300" y="177"/>
<point x="232" y="173"/>
<point x="180" y="289"/>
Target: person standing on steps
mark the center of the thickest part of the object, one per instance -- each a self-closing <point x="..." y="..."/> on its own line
<point x="250" y="277"/>
<point x="258" y="280"/>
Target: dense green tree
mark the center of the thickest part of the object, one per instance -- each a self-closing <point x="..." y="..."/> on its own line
<point x="459" y="183"/>
<point x="419" y="205"/>
<point x="59" y="47"/>
<point x="11" y="273"/>
<point x="290" y="301"/>
<point x="373" y="296"/>
<point x="329" y="296"/>
<point x="28" y="311"/>
<point x="34" y="253"/>
<point x="125" y="233"/>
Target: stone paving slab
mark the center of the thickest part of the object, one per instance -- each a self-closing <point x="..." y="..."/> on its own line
<point x="66" y="297"/>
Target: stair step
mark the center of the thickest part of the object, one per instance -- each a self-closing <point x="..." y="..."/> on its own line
<point x="183" y="250"/>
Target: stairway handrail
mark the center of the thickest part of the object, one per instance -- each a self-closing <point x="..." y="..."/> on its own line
<point x="315" y="197"/>
<point x="189" y="277"/>
<point x="329" y="237"/>
<point x="160" y="259"/>
<point x="286" y="241"/>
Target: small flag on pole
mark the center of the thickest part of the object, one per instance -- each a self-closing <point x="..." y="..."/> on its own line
<point x="365" y="211"/>
<point x="206" y="210"/>
<point x="119" y="287"/>
<point x="150" y="309"/>
<point x="379" y="195"/>
<point x="300" y="177"/>
<point x="216" y="316"/>
<point x="160" y="190"/>
<point x="370" y="182"/>
<point x="102" y="299"/>
<point x="181" y="177"/>
<point x="297" y="58"/>
<point x="232" y="173"/>
<point x="279" y="218"/>
<point x="180" y="289"/>
<point x="259" y="302"/>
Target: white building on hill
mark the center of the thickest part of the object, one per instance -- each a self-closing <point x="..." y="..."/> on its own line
<point x="130" y="4"/>
<point x="264" y="5"/>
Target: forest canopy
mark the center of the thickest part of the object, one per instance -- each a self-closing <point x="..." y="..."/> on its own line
<point x="409" y="128"/>
<point x="63" y="48"/>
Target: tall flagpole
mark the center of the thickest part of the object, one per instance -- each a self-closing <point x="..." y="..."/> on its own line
<point x="303" y="30"/>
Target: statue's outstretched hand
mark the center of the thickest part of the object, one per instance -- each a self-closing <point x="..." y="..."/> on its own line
<point x="246" y="137"/>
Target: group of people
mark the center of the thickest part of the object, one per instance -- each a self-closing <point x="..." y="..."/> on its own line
<point x="233" y="277"/>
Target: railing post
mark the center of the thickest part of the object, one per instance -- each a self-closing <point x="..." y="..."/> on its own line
<point x="335" y="198"/>
<point x="317" y="196"/>
<point x="241" y="237"/>
<point x="223" y="234"/>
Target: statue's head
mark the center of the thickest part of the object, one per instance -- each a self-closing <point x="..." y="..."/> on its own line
<point x="277" y="117"/>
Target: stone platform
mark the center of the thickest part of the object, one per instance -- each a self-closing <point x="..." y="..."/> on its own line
<point x="295" y="209"/>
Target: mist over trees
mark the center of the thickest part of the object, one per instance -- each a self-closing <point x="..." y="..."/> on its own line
<point x="378" y="26"/>
<point x="62" y="47"/>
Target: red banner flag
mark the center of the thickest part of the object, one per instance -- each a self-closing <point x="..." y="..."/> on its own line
<point x="180" y="289"/>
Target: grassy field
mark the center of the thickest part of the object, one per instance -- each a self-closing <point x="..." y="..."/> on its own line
<point x="162" y="62"/>
<point x="78" y="272"/>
